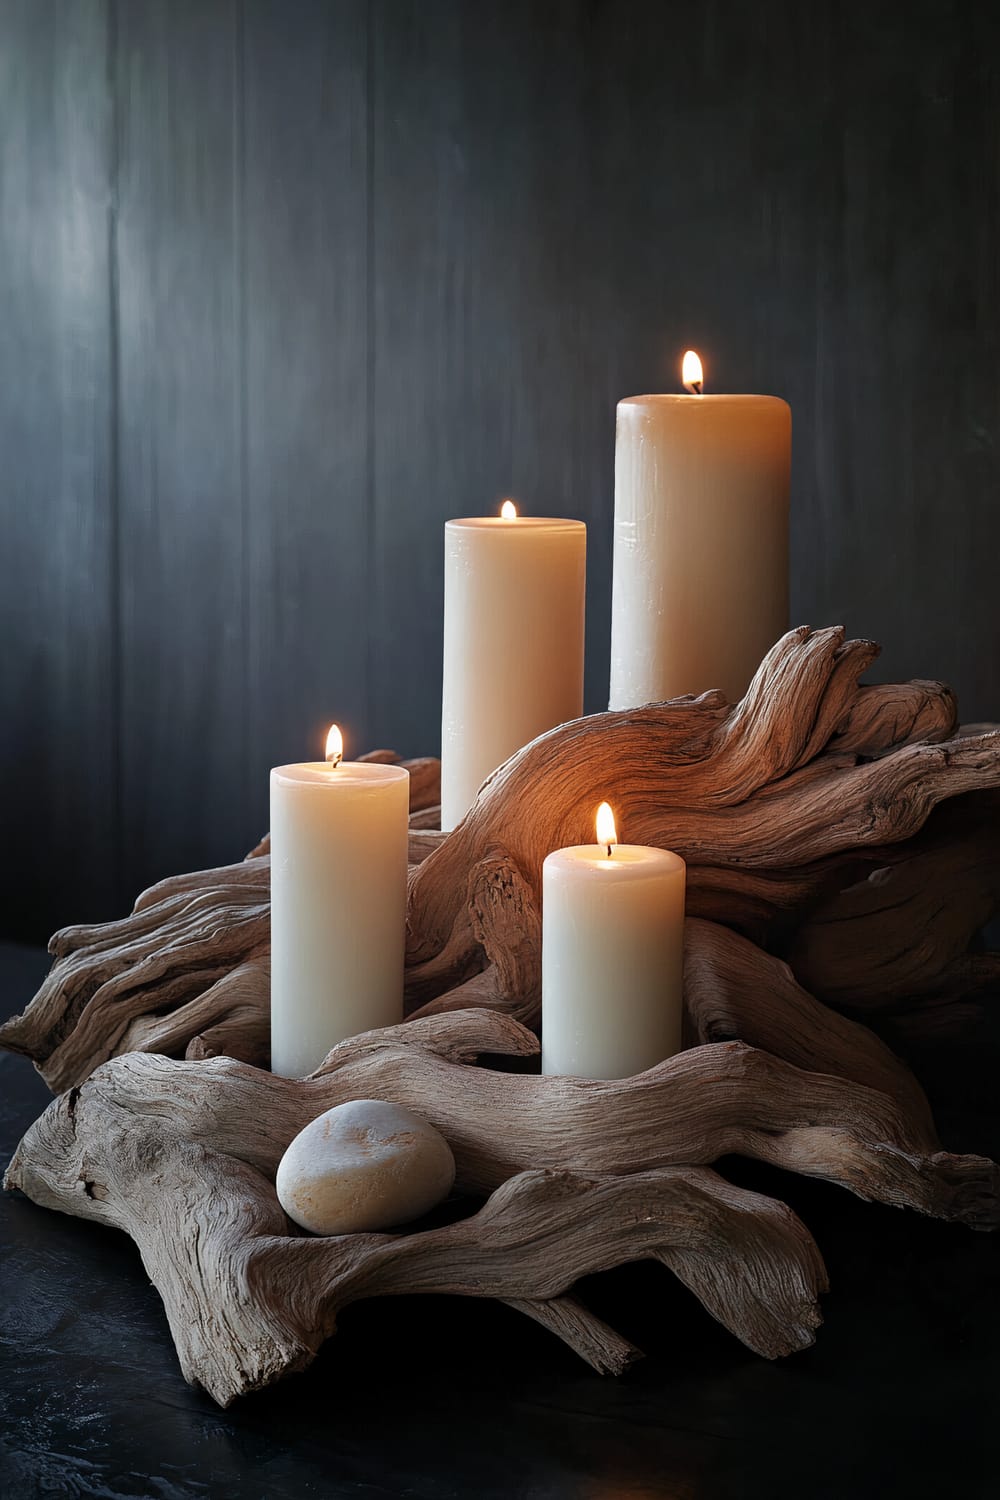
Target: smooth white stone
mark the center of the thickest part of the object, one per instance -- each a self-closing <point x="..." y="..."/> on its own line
<point x="364" y="1165"/>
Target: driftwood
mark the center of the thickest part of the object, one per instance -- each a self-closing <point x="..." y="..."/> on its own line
<point x="842" y="850"/>
<point x="583" y="1175"/>
<point x="808" y="815"/>
<point x="187" y="972"/>
<point x="775" y="804"/>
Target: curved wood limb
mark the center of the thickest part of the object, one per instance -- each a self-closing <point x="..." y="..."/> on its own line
<point x="765" y="800"/>
<point x="903" y="931"/>
<point x="256" y="1301"/>
<point x="709" y="1102"/>
<point x="188" y="971"/>
<point x="803" y="813"/>
<point x="733" y="991"/>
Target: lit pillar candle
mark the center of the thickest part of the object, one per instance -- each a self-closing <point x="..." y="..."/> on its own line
<point x="514" y="599"/>
<point x="612" y="956"/>
<point x="339" y="834"/>
<point x="701" y="541"/>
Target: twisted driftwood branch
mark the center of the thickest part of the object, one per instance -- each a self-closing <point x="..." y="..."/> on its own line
<point x="705" y="1103"/>
<point x="904" y="931"/>
<point x="583" y="1176"/>
<point x="188" y="971"/>
<point x="768" y="802"/>
<point x="175" y="1153"/>
<point x="806" y="815"/>
<point x="135" y="1147"/>
<point x="809" y="816"/>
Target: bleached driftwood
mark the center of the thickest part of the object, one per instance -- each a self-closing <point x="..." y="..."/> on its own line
<point x="179" y="1152"/>
<point x="808" y="815"/>
<point x="583" y="1175"/>
<point x="775" y="803"/>
<point x="850" y="828"/>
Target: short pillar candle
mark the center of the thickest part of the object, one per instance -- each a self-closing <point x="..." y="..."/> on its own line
<point x="612" y="956"/>
<point x="339" y="834"/>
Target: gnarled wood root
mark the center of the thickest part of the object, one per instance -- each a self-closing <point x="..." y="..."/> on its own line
<point x="582" y="1176"/>
<point x="777" y="805"/>
<point x="707" y="1102"/>
<point x="806" y="814"/>
<point x="187" y="972"/>
<point x="809" y="816"/>
<point x="257" y="1300"/>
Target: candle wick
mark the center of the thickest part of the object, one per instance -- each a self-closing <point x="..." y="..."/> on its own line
<point x="694" y="386"/>
<point x="333" y="761"/>
<point x="609" y="851"/>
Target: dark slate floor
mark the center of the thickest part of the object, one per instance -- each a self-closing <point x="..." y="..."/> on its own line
<point x="432" y="1399"/>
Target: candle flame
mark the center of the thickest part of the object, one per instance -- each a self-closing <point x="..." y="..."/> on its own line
<point x="607" y="833"/>
<point x="508" y="511"/>
<point x="691" y="372"/>
<point x="334" y="746"/>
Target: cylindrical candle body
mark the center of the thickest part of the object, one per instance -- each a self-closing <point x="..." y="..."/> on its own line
<point x="612" y="959"/>
<point x="514" y="602"/>
<point x="338" y="906"/>
<point x="700" y="588"/>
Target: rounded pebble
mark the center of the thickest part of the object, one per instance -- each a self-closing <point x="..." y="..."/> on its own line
<point x="364" y="1165"/>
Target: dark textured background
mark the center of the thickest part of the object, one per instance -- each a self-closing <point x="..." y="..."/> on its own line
<point x="285" y="285"/>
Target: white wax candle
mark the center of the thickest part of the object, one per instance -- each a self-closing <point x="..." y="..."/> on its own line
<point x="612" y="959"/>
<point x="700" y="588"/>
<point x="514" y="600"/>
<point x="338" y="906"/>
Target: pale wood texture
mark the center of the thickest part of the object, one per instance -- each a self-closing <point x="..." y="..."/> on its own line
<point x="808" y="814"/>
<point x="848" y="829"/>
<point x="773" y="802"/>
<point x="178" y="1153"/>
<point x="582" y="1175"/>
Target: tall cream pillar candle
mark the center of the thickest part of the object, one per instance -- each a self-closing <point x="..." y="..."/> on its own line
<point x="612" y="956"/>
<point x="338" y="904"/>
<point x="514" y="598"/>
<point x="700" y="588"/>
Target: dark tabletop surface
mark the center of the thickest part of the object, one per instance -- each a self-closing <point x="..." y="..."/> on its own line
<point x="428" y="1397"/>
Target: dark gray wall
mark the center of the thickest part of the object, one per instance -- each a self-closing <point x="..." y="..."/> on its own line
<point x="285" y="285"/>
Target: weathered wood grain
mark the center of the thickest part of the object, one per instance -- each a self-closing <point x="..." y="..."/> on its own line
<point x="583" y="1175"/>
<point x="795" y="810"/>
<point x="257" y="1300"/>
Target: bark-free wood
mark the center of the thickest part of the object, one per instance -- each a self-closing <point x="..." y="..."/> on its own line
<point x="781" y="805"/>
<point x="257" y="1301"/>
<point x="188" y="971"/>
<point x="583" y="1175"/>
<point x="776" y="803"/>
<point x="914" y="915"/>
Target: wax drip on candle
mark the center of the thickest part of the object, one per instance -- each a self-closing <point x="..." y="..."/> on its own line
<point x="607" y="833"/>
<point x="692" y="375"/>
<point x="508" y="511"/>
<point x="334" y="747"/>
